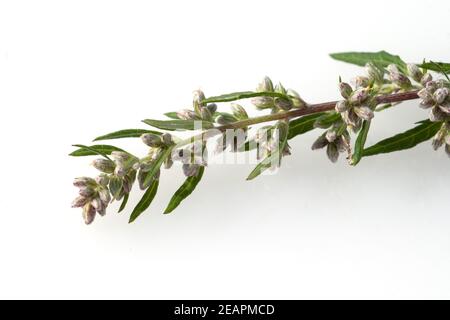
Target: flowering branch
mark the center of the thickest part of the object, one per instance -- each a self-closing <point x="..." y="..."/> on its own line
<point x="388" y="81"/>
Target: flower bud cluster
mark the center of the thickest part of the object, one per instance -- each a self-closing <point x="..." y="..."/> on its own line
<point x="436" y="95"/>
<point x="290" y="99"/>
<point x="201" y="111"/>
<point x="355" y="107"/>
<point x="192" y="157"/>
<point x="442" y="137"/>
<point x="398" y="78"/>
<point x="336" y="139"/>
<point x="93" y="196"/>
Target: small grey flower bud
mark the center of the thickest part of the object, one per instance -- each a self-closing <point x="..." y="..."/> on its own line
<point x="359" y="96"/>
<point x="331" y="135"/>
<point x="425" y="94"/>
<point x="167" y="139"/>
<point x="83" y="182"/>
<point x="440" y="95"/>
<point x="431" y="86"/>
<point x="168" y="163"/>
<point x="437" y="115"/>
<point x="297" y="101"/>
<point x="225" y="119"/>
<point x="283" y="103"/>
<point x="414" y="72"/>
<point x="447" y="138"/>
<point x="120" y="156"/>
<point x="361" y="82"/>
<point x="99" y="206"/>
<point x="187" y="114"/>
<point x="447" y="149"/>
<point x="88" y="213"/>
<point x="263" y="102"/>
<point x="400" y="79"/>
<point x="104" y="165"/>
<point x="199" y="96"/>
<point x="86" y="192"/>
<point x="104" y="195"/>
<point x="152" y="140"/>
<point x="364" y="112"/>
<point x="392" y="68"/>
<point x="426" y="78"/>
<point x="239" y="112"/>
<point x="212" y="107"/>
<point x="320" y="143"/>
<point x="342" y="106"/>
<point x="345" y="89"/>
<point x="265" y="86"/>
<point x="79" y="202"/>
<point x="332" y="152"/>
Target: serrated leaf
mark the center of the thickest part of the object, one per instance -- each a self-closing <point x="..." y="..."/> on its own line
<point x="360" y="142"/>
<point x="242" y="95"/>
<point x="126" y="133"/>
<point x="124" y="202"/>
<point x="100" y="149"/>
<point x="380" y="58"/>
<point x="436" y="66"/>
<point x="302" y="125"/>
<point x="406" y="140"/>
<point x="172" y="125"/>
<point x="275" y="156"/>
<point x="145" y="201"/>
<point x="156" y="164"/>
<point x="184" y="191"/>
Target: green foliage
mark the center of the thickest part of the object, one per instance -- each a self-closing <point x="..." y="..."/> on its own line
<point x="380" y="58"/>
<point x="145" y="201"/>
<point x="185" y="190"/>
<point x="242" y="95"/>
<point x="100" y="149"/>
<point x="405" y="140"/>
<point x="303" y="124"/>
<point x="360" y="142"/>
<point x="181" y="125"/>
<point x="126" y="133"/>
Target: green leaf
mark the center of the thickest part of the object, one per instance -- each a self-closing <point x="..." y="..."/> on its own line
<point x="145" y="202"/>
<point x="406" y="140"/>
<point x="302" y="125"/>
<point x="100" y="149"/>
<point x="275" y="156"/>
<point x="127" y="133"/>
<point x="156" y="165"/>
<point x="124" y="202"/>
<point x="184" y="191"/>
<point x="172" y="115"/>
<point x="178" y="124"/>
<point x="242" y="95"/>
<point x="380" y="58"/>
<point x="436" y="66"/>
<point x="360" y="142"/>
<point x="325" y="120"/>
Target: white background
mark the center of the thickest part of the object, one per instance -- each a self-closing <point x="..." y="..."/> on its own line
<point x="72" y="70"/>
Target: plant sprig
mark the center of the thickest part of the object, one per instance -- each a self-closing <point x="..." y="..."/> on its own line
<point x="388" y="81"/>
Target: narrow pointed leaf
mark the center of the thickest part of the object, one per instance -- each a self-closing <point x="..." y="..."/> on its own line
<point x="126" y="133"/>
<point x="302" y="125"/>
<point x="381" y="58"/>
<point x="275" y="156"/>
<point x="156" y="165"/>
<point x="436" y="66"/>
<point x="172" y="125"/>
<point x="172" y="115"/>
<point x="145" y="202"/>
<point x="124" y="202"/>
<point x="406" y="140"/>
<point x="242" y="95"/>
<point x="326" y="119"/>
<point x="184" y="191"/>
<point x="102" y="150"/>
<point x="360" y="142"/>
